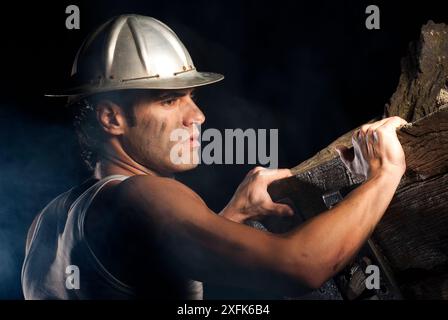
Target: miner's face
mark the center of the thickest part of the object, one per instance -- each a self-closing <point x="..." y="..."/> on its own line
<point x="165" y="137"/>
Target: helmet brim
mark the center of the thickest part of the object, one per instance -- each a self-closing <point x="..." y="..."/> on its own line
<point x="183" y="81"/>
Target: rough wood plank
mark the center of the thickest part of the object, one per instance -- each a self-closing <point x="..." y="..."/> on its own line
<point x="425" y="144"/>
<point x="413" y="234"/>
<point x="423" y="85"/>
<point x="422" y="133"/>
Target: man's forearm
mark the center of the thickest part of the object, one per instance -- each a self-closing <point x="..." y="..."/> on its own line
<point x="331" y="239"/>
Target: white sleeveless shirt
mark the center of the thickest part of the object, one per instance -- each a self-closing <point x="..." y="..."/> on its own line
<point x="60" y="264"/>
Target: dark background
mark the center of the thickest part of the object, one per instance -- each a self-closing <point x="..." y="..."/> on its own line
<point x="310" y="69"/>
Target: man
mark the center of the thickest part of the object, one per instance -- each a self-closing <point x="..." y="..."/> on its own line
<point x="135" y="232"/>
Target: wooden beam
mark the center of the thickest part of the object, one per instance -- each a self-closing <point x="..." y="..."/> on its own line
<point x="413" y="234"/>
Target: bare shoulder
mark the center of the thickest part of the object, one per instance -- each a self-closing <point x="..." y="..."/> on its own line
<point x="157" y="192"/>
<point x="140" y="183"/>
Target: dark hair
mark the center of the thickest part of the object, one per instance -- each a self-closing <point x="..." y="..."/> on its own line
<point x="89" y="132"/>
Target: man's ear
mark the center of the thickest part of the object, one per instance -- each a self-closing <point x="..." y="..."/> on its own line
<point x="111" y="117"/>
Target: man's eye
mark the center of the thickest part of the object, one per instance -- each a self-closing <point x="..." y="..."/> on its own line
<point x="169" y="102"/>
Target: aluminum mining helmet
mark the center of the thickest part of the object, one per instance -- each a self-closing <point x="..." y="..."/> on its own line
<point x="133" y="52"/>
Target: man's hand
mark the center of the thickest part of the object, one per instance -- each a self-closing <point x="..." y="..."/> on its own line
<point x="376" y="149"/>
<point x="251" y="200"/>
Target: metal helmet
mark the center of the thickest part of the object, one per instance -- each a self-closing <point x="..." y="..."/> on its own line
<point x="133" y="52"/>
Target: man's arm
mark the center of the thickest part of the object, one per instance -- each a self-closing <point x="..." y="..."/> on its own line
<point x="331" y="239"/>
<point x="210" y="248"/>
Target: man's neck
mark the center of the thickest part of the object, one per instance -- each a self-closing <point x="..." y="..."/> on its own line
<point x="114" y="161"/>
<point x="114" y="166"/>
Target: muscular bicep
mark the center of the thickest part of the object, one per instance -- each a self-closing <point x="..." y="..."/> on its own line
<point x="207" y="247"/>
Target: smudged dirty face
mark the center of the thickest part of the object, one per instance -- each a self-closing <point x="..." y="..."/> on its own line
<point x="150" y="142"/>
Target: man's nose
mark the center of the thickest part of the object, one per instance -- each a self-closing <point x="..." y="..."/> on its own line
<point x="193" y="115"/>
